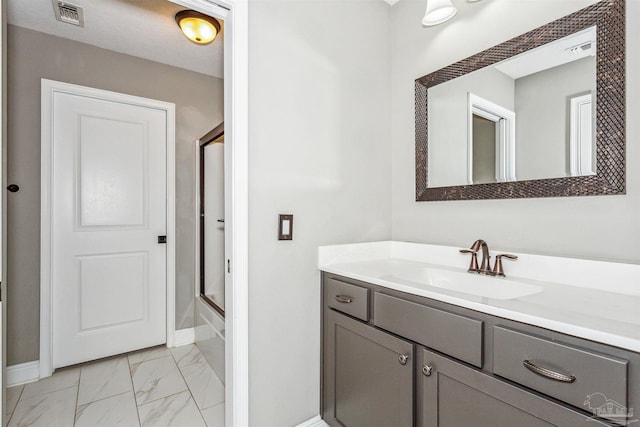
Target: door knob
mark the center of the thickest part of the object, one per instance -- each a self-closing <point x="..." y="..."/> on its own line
<point x="427" y="370"/>
<point x="403" y="358"/>
<point x="13" y="188"/>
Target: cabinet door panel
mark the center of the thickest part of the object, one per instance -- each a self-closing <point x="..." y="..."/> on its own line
<point x="456" y="395"/>
<point x="368" y="384"/>
<point x="462" y="405"/>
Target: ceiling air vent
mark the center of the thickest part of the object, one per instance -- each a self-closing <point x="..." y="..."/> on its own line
<point x="68" y="13"/>
<point x="581" y="48"/>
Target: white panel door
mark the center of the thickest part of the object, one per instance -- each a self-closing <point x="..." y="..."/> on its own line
<point x="108" y="209"/>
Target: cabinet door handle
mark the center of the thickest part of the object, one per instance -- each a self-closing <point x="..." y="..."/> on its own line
<point x="403" y="358"/>
<point x="548" y="373"/>
<point x="427" y="370"/>
<point x="343" y="299"/>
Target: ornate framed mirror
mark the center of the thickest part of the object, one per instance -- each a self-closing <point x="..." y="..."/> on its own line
<point x="540" y="115"/>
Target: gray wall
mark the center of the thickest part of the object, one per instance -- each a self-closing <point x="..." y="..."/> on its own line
<point x="603" y="227"/>
<point x="542" y="109"/>
<point x="32" y="56"/>
<point x="319" y="149"/>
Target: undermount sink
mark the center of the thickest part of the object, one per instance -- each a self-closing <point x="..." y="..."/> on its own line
<point x="469" y="283"/>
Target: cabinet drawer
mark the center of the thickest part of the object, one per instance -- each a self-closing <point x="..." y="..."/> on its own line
<point x="457" y="336"/>
<point x="347" y="298"/>
<point x="581" y="373"/>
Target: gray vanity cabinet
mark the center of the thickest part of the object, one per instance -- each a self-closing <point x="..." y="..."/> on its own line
<point x="451" y="394"/>
<point x="368" y="375"/>
<point x="391" y="359"/>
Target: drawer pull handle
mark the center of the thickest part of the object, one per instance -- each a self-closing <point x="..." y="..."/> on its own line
<point x="547" y="373"/>
<point x="343" y="299"/>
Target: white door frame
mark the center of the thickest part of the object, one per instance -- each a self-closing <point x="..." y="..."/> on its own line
<point x="236" y="119"/>
<point x="49" y="89"/>
<point x="581" y="147"/>
<point x="505" y="121"/>
<point x="3" y="204"/>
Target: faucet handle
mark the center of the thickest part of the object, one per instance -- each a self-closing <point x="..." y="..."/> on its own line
<point x="473" y="266"/>
<point x="497" y="268"/>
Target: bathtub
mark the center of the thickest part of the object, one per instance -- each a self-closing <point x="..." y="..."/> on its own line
<point x="209" y="336"/>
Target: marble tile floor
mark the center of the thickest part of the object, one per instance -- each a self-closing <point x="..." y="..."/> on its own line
<point x="156" y="387"/>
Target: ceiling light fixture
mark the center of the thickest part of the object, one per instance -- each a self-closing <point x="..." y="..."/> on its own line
<point x="197" y="27"/>
<point x="437" y="12"/>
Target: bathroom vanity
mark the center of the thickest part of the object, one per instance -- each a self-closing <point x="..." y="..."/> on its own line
<point x="410" y="338"/>
<point x="405" y="344"/>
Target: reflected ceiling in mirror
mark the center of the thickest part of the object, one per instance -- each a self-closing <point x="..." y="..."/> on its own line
<point x="541" y="115"/>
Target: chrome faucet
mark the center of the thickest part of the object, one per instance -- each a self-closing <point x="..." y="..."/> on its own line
<point x="485" y="265"/>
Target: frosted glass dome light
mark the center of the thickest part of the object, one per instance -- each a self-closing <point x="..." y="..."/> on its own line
<point x="197" y="27"/>
<point x="437" y="12"/>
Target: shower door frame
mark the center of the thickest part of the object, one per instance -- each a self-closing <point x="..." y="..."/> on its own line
<point x="210" y="138"/>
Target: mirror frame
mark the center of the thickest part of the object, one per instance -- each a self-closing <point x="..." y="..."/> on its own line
<point x="609" y="18"/>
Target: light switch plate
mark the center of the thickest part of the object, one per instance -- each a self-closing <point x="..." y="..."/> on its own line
<point x="285" y="227"/>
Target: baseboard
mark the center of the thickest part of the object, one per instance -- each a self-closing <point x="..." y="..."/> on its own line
<point x="184" y="337"/>
<point x="203" y="332"/>
<point x="23" y="373"/>
<point x="316" y="421"/>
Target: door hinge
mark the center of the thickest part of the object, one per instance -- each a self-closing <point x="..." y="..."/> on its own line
<point x="228" y="266"/>
<point x="162" y="239"/>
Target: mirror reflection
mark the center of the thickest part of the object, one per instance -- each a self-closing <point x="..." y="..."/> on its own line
<point x="529" y="117"/>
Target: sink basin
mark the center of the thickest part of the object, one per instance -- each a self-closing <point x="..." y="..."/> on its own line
<point x="469" y="283"/>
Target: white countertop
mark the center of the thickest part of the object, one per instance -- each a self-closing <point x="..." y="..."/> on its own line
<point x="595" y="300"/>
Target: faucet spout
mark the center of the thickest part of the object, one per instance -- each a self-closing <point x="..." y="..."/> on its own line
<point x="485" y="265"/>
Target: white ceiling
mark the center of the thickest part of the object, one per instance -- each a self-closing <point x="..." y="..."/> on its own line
<point x="142" y="28"/>
<point x="550" y="55"/>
